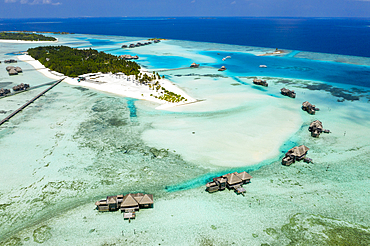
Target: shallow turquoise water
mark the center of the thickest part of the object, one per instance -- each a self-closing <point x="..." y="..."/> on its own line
<point x="74" y="146"/>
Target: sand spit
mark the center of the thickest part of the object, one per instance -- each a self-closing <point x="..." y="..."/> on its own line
<point x="119" y="84"/>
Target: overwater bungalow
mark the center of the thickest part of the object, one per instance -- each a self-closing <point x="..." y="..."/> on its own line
<point x="18" y="69"/>
<point x="132" y="46"/>
<point x="12" y="71"/>
<point x="124" y="46"/>
<point x="129" y="57"/>
<point x="311" y="109"/>
<point x="21" y="87"/>
<point x="194" y="65"/>
<point x="127" y="204"/>
<point x="287" y="92"/>
<point x="223" y="68"/>
<point x="8" y="68"/>
<point x="316" y="129"/>
<point x="297" y="153"/>
<point x="260" y="82"/>
<point x="4" y="92"/>
<point x="10" y="61"/>
<point x="232" y="181"/>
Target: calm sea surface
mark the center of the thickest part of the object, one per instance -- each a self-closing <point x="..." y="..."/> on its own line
<point x="328" y="35"/>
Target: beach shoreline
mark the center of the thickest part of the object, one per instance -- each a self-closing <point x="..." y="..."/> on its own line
<point x="25" y="41"/>
<point x="121" y="85"/>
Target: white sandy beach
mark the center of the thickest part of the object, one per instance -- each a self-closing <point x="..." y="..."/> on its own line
<point x="122" y="85"/>
<point x="25" y="42"/>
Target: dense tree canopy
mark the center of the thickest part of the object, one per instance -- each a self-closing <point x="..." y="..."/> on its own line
<point x="73" y="62"/>
<point x="25" y="36"/>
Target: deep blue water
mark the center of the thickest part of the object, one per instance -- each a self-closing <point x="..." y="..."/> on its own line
<point x="327" y="35"/>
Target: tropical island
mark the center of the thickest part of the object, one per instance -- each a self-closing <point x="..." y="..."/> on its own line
<point x="25" y="36"/>
<point x="73" y="62"/>
<point x="105" y="72"/>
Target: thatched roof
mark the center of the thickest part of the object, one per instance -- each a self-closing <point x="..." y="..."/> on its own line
<point x="299" y="150"/>
<point x="18" y="69"/>
<point x="129" y="201"/>
<point x="138" y="196"/>
<point x="244" y="175"/>
<point x="12" y="72"/>
<point x="147" y="199"/>
<point x="316" y="123"/>
<point x="111" y="199"/>
<point x="8" y="68"/>
<point x="233" y="179"/>
<point x="306" y="104"/>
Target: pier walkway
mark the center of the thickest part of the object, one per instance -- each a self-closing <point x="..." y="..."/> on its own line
<point x="30" y="101"/>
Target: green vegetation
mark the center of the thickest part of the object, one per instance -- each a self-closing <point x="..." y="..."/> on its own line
<point x="25" y="36"/>
<point x="73" y="62"/>
<point x="152" y="39"/>
<point x="166" y="95"/>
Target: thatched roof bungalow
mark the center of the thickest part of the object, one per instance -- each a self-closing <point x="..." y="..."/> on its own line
<point x="194" y="65"/>
<point x="231" y="181"/>
<point x="311" y="109"/>
<point x="12" y="71"/>
<point x="296" y="154"/>
<point x="129" y="203"/>
<point x="4" y="92"/>
<point x="316" y="128"/>
<point x="287" y="92"/>
<point x="260" y="82"/>
<point x="18" y="69"/>
<point x="223" y="68"/>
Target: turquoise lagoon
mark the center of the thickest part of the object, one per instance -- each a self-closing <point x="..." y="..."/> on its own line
<point x="75" y="145"/>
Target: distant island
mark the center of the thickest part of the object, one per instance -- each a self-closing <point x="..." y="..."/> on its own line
<point x="73" y="62"/>
<point x="25" y="36"/>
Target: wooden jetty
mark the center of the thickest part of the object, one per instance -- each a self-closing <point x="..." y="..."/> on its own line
<point x="232" y="181"/>
<point x="260" y="82"/>
<point x="316" y="128"/>
<point x="287" y="92"/>
<point x="128" y="204"/>
<point x="309" y="108"/>
<point x="297" y="153"/>
<point x="29" y="102"/>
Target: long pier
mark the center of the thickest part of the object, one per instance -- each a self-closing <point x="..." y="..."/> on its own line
<point x="29" y="102"/>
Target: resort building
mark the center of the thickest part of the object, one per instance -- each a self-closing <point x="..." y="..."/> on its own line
<point x="10" y="61"/>
<point x="316" y="129"/>
<point x="21" y="87"/>
<point x="260" y="82"/>
<point x="287" y="92"/>
<point x="296" y="154"/>
<point x="128" y="204"/>
<point x="232" y="181"/>
<point x="311" y="109"/>
<point x="4" y="92"/>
